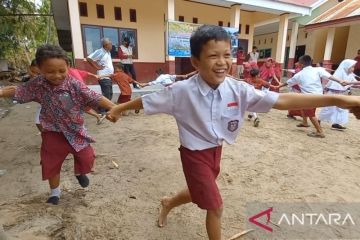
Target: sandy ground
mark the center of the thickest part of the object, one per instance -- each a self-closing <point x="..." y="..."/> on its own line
<point x="276" y="162"/>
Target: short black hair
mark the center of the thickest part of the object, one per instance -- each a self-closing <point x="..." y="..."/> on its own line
<point x="254" y="47"/>
<point x="119" y="66"/>
<point x="305" y="60"/>
<point x="48" y="51"/>
<point x="204" y="34"/>
<point x="240" y="49"/>
<point x="33" y="63"/>
<point x="254" y="72"/>
<point x="126" y="39"/>
<point x="159" y="71"/>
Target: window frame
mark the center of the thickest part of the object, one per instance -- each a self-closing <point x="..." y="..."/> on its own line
<point x="119" y="31"/>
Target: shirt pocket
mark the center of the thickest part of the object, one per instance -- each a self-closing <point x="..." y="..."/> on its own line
<point x="231" y="121"/>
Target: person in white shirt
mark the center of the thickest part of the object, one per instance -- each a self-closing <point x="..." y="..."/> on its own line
<point x="209" y="108"/>
<point x="253" y="56"/>
<point x="334" y="115"/>
<point x="309" y="82"/>
<point x="102" y="62"/>
<point x="167" y="79"/>
<point x="126" y="58"/>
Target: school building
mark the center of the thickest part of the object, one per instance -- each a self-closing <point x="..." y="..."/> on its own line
<point x="159" y="30"/>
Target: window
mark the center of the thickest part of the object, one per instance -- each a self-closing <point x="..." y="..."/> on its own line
<point x="132" y="15"/>
<point x="195" y="20"/>
<point x="247" y="29"/>
<point x="100" y="11"/>
<point x="83" y="9"/>
<point x="271" y="40"/>
<point x="265" y="41"/>
<point x="113" y="35"/>
<point x="228" y="24"/>
<point x="239" y="28"/>
<point x="220" y="23"/>
<point x="287" y="38"/>
<point x="117" y="13"/>
<point x="93" y="34"/>
<point x="181" y="18"/>
<point x="92" y="39"/>
<point x="306" y="35"/>
<point x="259" y="42"/>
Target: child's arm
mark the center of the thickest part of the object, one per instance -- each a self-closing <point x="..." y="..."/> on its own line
<point x="115" y="112"/>
<point x="7" y="92"/>
<point x="94" y="64"/>
<point x="106" y="103"/>
<point x="303" y="101"/>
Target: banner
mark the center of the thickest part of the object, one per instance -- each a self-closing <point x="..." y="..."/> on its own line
<point x="179" y="34"/>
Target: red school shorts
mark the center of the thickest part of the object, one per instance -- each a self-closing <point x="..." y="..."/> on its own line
<point x="309" y="112"/>
<point x="123" y="98"/>
<point x="54" y="150"/>
<point x="201" y="167"/>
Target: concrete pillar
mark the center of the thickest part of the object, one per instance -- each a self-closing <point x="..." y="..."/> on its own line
<point x="281" y="41"/>
<point x="293" y="41"/>
<point x="77" y="43"/>
<point x="251" y="38"/>
<point x="235" y="16"/>
<point x="328" y="48"/>
<point x="171" y="10"/>
<point x="170" y="61"/>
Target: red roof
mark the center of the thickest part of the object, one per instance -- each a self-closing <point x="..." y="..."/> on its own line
<point x="342" y="13"/>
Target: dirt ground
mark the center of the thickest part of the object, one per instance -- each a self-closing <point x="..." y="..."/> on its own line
<point x="275" y="162"/>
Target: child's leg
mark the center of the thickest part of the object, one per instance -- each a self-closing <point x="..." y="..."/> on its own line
<point x="168" y="203"/>
<point x="83" y="163"/>
<point x="316" y="124"/>
<point x="54" y="183"/>
<point x="213" y="224"/>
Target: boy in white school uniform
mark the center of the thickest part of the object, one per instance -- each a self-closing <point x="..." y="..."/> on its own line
<point x="309" y="81"/>
<point x="167" y="79"/>
<point x="209" y="109"/>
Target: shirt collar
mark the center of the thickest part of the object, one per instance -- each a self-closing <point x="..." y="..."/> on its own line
<point x="63" y="86"/>
<point x="205" y="88"/>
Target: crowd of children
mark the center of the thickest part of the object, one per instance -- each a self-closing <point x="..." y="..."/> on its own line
<point x="212" y="109"/>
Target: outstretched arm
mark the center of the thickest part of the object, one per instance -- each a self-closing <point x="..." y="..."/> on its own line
<point x="115" y="112"/>
<point x="94" y="64"/>
<point x="106" y="103"/>
<point x="302" y="101"/>
<point x="7" y="92"/>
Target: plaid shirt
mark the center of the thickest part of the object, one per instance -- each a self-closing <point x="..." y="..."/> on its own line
<point x="62" y="107"/>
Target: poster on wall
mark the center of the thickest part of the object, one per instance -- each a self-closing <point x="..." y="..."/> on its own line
<point x="179" y="34"/>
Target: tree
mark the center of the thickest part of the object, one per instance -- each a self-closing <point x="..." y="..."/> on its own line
<point x="24" y="27"/>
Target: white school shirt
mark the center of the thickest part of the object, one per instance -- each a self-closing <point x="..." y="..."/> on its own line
<point x="206" y="117"/>
<point x="253" y="57"/>
<point x="309" y="79"/>
<point x="163" y="79"/>
<point x="103" y="58"/>
<point x="127" y="51"/>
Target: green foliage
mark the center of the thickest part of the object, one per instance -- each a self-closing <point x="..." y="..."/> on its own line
<point x="20" y="35"/>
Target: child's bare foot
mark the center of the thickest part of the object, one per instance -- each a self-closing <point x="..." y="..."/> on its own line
<point x="164" y="211"/>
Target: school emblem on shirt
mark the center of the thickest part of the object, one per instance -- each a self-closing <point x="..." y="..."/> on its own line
<point x="233" y="125"/>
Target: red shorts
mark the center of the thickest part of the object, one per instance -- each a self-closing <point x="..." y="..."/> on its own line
<point x="123" y="98"/>
<point x="309" y="112"/>
<point x="201" y="169"/>
<point x="54" y="150"/>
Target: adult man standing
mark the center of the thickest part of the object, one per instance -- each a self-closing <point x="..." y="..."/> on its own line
<point x="126" y="55"/>
<point x="357" y="65"/>
<point x="240" y="57"/>
<point x="253" y="56"/>
<point x="102" y="62"/>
